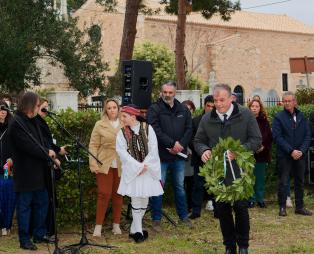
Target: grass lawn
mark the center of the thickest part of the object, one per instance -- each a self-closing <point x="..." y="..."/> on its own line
<point x="269" y="234"/>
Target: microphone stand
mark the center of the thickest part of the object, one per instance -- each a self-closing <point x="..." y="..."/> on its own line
<point x="51" y="164"/>
<point x="84" y="241"/>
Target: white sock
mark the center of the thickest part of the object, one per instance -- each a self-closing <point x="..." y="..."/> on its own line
<point x="116" y="229"/>
<point x="4" y="231"/>
<point x="139" y="206"/>
<point x="97" y="231"/>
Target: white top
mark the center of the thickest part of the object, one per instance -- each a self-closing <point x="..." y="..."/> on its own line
<point x="132" y="184"/>
<point x="114" y="124"/>
<point x="228" y="113"/>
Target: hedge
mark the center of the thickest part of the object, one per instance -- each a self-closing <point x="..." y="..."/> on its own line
<point x="81" y="125"/>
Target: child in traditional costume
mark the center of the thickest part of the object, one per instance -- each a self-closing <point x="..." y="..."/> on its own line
<point x="137" y="148"/>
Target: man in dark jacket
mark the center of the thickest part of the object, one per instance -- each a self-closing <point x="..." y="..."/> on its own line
<point x="172" y="124"/>
<point x="198" y="181"/>
<point x="292" y="135"/>
<point x="228" y="119"/>
<point x="30" y="164"/>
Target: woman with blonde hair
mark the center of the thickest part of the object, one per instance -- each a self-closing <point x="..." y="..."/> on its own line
<point x="103" y="145"/>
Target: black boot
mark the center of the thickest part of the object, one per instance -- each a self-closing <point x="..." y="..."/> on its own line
<point x="282" y="211"/>
<point x="232" y="250"/>
<point x="243" y="251"/>
<point x="138" y="237"/>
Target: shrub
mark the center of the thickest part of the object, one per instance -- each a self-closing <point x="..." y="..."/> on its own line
<point x="80" y="124"/>
<point x="305" y="96"/>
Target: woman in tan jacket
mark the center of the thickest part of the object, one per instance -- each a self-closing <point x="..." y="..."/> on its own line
<point x="103" y="145"/>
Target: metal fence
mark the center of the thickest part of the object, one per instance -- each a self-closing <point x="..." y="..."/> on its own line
<point x="269" y="102"/>
<point x="84" y="107"/>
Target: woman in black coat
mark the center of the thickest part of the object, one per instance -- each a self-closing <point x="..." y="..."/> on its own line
<point x="7" y="194"/>
<point x="48" y="139"/>
<point x="30" y="167"/>
<point x="263" y="154"/>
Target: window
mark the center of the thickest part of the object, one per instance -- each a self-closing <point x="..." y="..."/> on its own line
<point x="284" y="82"/>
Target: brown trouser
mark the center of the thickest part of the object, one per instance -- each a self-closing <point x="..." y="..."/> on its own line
<point x="107" y="186"/>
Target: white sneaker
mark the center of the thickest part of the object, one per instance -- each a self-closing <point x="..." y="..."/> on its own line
<point x="4" y="231"/>
<point x="116" y="229"/>
<point x="289" y="202"/>
<point x="209" y="206"/>
<point x="97" y="231"/>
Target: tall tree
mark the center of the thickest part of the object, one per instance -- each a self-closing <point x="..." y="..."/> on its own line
<point x="30" y="30"/>
<point x="129" y="29"/>
<point x="132" y="9"/>
<point x="180" y="44"/>
<point x="182" y="8"/>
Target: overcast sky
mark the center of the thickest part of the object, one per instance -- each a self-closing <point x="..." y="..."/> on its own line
<point x="302" y="10"/>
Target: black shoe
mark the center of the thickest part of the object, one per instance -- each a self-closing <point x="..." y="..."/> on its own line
<point x="216" y="216"/>
<point x="251" y="204"/>
<point x="261" y="204"/>
<point x="194" y="216"/>
<point x="243" y="251"/>
<point x="231" y="251"/>
<point x="28" y="246"/>
<point x="145" y="234"/>
<point x="303" y="211"/>
<point x="282" y="211"/>
<point x="138" y="237"/>
<point x="45" y="239"/>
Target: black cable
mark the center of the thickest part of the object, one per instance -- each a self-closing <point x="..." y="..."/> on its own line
<point x="262" y="5"/>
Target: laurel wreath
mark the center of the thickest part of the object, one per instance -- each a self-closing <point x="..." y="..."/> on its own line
<point x="213" y="172"/>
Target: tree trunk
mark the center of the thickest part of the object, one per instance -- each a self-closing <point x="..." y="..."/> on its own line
<point x="127" y="45"/>
<point x="129" y="29"/>
<point x="180" y="44"/>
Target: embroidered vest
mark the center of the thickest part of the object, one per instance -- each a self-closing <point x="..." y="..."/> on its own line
<point x="137" y="144"/>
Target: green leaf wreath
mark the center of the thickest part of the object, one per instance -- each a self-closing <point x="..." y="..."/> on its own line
<point x="213" y="172"/>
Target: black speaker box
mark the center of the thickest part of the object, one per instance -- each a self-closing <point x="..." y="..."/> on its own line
<point x="137" y="83"/>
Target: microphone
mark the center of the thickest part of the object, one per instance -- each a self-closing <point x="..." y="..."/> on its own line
<point x="48" y="112"/>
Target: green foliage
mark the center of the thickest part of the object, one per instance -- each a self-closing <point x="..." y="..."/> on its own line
<point x="163" y="60"/>
<point x="272" y="173"/>
<point x="73" y="5"/>
<point x="26" y="38"/>
<point x="95" y="33"/>
<point x="111" y="6"/>
<point x="207" y="7"/>
<point x="213" y="172"/>
<point x="193" y="83"/>
<point x="80" y="124"/>
<point x="163" y="63"/>
<point x="305" y="96"/>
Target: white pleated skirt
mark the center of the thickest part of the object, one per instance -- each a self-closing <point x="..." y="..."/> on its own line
<point x="142" y="186"/>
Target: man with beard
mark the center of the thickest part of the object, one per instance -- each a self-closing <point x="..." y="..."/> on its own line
<point x="172" y="124"/>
